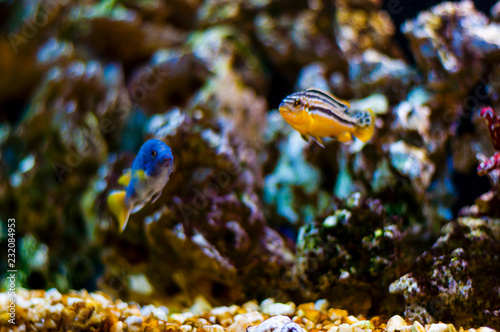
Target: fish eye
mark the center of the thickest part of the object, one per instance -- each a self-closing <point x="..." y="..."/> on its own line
<point x="153" y="153"/>
<point x="297" y="102"/>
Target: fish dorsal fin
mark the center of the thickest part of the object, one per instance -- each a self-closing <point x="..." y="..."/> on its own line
<point x="341" y="104"/>
<point x="139" y="174"/>
<point x="124" y="180"/>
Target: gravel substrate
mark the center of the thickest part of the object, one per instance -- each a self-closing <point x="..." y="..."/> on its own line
<point x="82" y="311"/>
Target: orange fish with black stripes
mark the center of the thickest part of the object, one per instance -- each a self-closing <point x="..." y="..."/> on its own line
<point x="316" y="114"/>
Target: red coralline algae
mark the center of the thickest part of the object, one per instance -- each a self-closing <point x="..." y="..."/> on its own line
<point x="494" y="126"/>
<point x="488" y="165"/>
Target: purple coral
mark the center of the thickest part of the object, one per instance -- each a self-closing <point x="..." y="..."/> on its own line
<point x="494" y="126"/>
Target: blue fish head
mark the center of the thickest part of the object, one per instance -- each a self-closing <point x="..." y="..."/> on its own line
<point x="155" y="157"/>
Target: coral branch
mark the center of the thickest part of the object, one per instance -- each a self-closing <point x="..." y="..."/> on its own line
<point x="493" y="125"/>
<point x="489" y="165"/>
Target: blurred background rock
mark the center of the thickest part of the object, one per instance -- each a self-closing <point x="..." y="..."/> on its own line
<point x="251" y="210"/>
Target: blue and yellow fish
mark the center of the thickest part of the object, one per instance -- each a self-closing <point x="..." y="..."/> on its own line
<point x="315" y="114"/>
<point x="144" y="182"/>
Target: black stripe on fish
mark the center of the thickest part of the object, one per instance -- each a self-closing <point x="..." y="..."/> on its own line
<point x="327" y="103"/>
<point x="323" y="104"/>
<point x="334" y="112"/>
<point x="331" y="99"/>
<point x="332" y="115"/>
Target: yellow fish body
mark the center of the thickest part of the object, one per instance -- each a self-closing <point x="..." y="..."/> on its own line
<point x="315" y="114"/>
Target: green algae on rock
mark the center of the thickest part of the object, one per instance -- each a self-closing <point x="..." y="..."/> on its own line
<point x="352" y="255"/>
<point x="451" y="276"/>
<point x="60" y="142"/>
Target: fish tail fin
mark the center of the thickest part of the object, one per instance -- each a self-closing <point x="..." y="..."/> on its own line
<point x="366" y="125"/>
<point x="117" y="205"/>
<point x="364" y="133"/>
